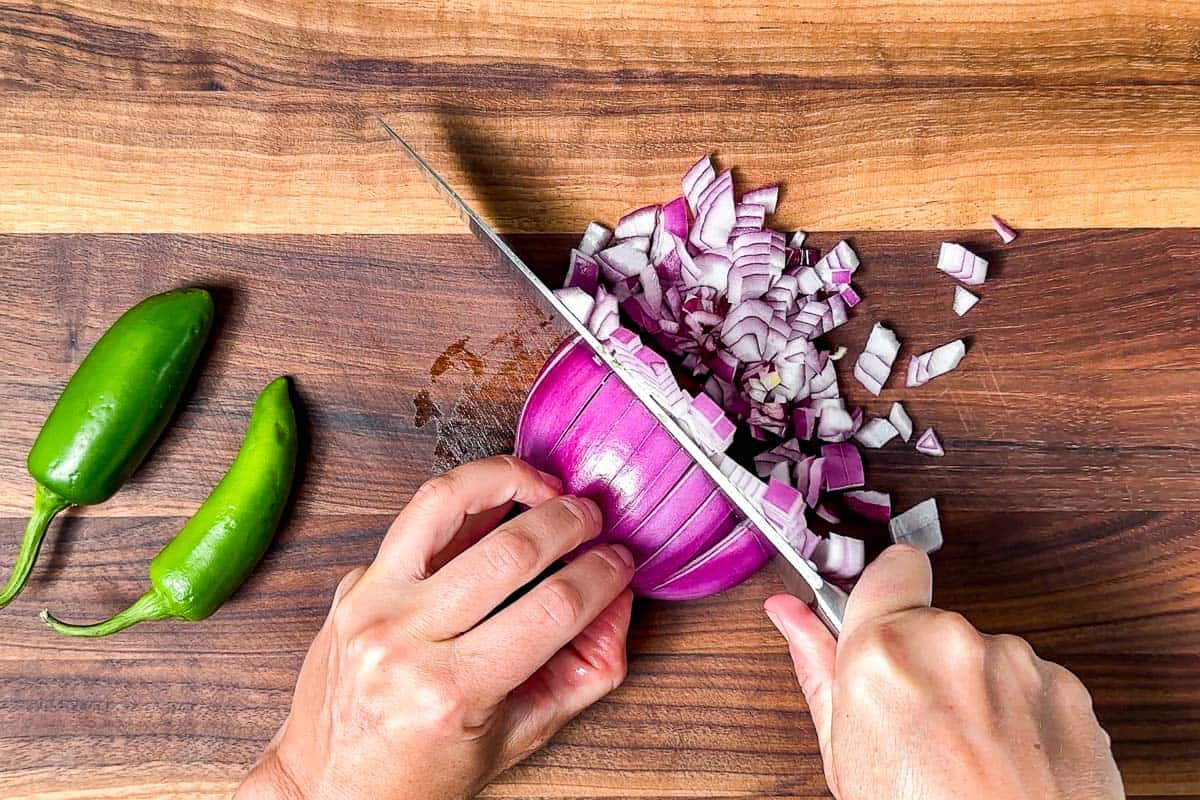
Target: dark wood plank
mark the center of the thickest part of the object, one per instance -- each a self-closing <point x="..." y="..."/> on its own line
<point x="1045" y="443"/>
<point x="529" y="44"/>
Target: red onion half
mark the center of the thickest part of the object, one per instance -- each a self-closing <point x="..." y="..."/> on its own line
<point x="581" y="422"/>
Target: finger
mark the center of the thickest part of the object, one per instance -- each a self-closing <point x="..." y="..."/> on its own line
<point x="440" y="507"/>
<point x="465" y="591"/>
<point x="584" y="671"/>
<point x="899" y="579"/>
<point x="474" y="527"/>
<point x="812" y="648"/>
<point x="501" y="653"/>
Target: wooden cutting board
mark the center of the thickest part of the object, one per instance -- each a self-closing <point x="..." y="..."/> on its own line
<point x="148" y="145"/>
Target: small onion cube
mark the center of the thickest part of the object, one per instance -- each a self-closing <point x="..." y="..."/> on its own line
<point x="874" y="364"/>
<point x="577" y="301"/>
<point x="961" y="264"/>
<point x="826" y="513"/>
<point x="920" y="526"/>
<point x="640" y="222"/>
<point x="605" y="318"/>
<point x="674" y="218"/>
<point x="582" y="272"/>
<point x="841" y="276"/>
<point x="766" y="196"/>
<point x="929" y="444"/>
<point x="875" y="433"/>
<point x="901" y="421"/>
<point x="839" y="557"/>
<point x="698" y="178"/>
<point x="804" y="423"/>
<point x="843" y="466"/>
<point x="850" y="296"/>
<point x="939" y="361"/>
<point x="868" y="504"/>
<point x="624" y="259"/>
<point x="595" y="238"/>
<point x="781" y="502"/>
<point x="964" y="300"/>
<point x="1006" y="233"/>
<point x="841" y="258"/>
<point x="797" y="240"/>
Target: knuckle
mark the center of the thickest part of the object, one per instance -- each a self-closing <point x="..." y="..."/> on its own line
<point x="368" y="648"/>
<point x="1069" y="687"/>
<point x="513" y="552"/>
<point x="1014" y="648"/>
<point x="963" y="645"/>
<point x="435" y="700"/>
<point x="561" y="602"/>
<point x="435" y="492"/>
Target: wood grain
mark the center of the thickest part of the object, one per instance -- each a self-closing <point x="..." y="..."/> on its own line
<point x="1068" y="430"/>
<point x="527" y="44"/>
<point x="551" y="158"/>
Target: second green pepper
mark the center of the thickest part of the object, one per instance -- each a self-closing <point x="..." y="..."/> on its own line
<point x="214" y="552"/>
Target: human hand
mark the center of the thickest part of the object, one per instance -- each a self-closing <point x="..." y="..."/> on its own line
<point x="413" y="688"/>
<point x="913" y="702"/>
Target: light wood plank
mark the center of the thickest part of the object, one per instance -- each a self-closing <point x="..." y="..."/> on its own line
<point x="550" y="160"/>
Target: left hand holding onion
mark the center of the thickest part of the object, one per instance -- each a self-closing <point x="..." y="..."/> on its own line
<point x="416" y="686"/>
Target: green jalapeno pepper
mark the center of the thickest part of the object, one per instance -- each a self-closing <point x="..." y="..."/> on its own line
<point x="214" y="552"/>
<point x="112" y="411"/>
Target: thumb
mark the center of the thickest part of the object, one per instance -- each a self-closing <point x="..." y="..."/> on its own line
<point x="812" y="648"/>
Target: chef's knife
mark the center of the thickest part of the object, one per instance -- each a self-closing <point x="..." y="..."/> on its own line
<point x="827" y="600"/>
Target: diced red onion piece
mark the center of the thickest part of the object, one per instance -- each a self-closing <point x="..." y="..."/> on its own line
<point x="961" y="264"/>
<point x="674" y="217"/>
<point x="839" y="354"/>
<point x="639" y="222"/>
<point x="826" y="513"/>
<point x="929" y="444"/>
<point x="766" y="196"/>
<point x="577" y="301"/>
<point x="582" y="272"/>
<point x="595" y="238"/>
<point x="901" y="421"/>
<point x="868" y="504"/>
<point x="875" y="433"/>
<point x="797" y="240"/>
<point x="605" y="317"/>
<point x="843" y="466"/>
<point x="939" y="361"/>
<point x="874" y="364"/>
<point x="698" y="178"/>
<point x="839" y="557"/>
<point x="850" y="296"/>
<point x="1006" y="233"/>
<point x="625" y="259"/>
<point x="841" y="258"/>
<point x="964" y="300"/>
<point x="919" y="526"/>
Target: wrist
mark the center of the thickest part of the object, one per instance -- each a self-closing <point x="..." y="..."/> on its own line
<point x="269" y="779"/>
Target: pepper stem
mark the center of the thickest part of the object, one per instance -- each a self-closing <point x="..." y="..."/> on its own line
<point x="46" y="504"/>
<point x="147" y="607"/>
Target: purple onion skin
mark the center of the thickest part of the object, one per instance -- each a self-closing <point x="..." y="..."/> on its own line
<point x="730" y="562"/>
<point x="585" y="426"/>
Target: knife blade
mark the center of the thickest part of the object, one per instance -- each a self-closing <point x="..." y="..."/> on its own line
<point x="827" y="600"/>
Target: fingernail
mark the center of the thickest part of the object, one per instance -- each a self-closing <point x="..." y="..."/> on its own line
<point x="623" y="553"/>
<point x="778" y="625"/>
<point x="552" y="480"/>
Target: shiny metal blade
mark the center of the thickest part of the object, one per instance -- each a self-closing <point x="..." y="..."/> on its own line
<point x="829" y="601"/>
